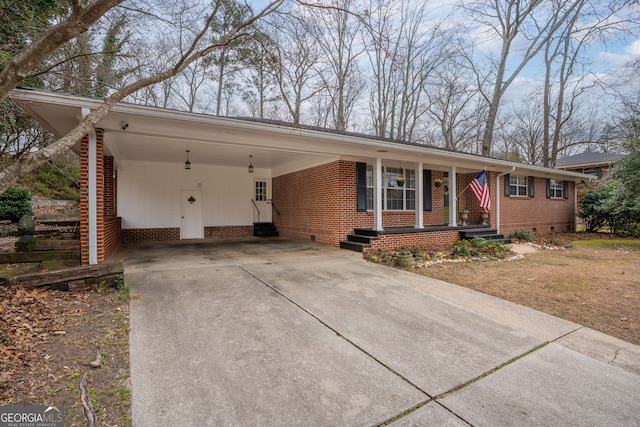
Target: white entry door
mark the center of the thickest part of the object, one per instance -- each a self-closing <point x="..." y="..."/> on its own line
<point x="191" y="225"/>
<point x="262" y="200"/>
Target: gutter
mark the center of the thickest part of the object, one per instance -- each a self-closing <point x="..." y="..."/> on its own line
<point x="513" y="168"/>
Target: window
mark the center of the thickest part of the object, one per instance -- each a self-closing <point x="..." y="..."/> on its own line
<point x="261" y="191"/>
<point x="517" y="185"/>
<point x="394" y="197"/>
<point x="555" y="188"/>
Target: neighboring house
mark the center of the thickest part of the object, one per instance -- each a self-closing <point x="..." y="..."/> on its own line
<point x="312" y="184"/>
<point x="598" y="164"/>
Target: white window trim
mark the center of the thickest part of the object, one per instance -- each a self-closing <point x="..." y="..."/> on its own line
<point x="385" y="187"/>
<point x="556" y="186"/>
<point x="518" y="185"/>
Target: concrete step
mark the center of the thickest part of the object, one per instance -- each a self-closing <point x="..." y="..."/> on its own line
<point x="366" y="232"/>
<point x="353" y="246"/>
<point x="359" y="238"/>
<point x="264" y="229"/>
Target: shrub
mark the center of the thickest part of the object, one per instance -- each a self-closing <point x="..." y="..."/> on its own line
<point x="14" y="203"/>
<point x="462" y="248"/>
<point x="522" y="235"/>
<point x="479" y="242"/>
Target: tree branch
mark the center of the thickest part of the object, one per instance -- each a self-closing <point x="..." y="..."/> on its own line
<point x="29" y="58"/>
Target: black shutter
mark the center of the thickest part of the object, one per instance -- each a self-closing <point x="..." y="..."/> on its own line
<point x="548" y="188"/>
<point x="361" y="187"/>
<point x="565" y="189"/>
<point x="507" y="185"/>
<point x="532" y="186"/>
<point x="599" y="172"/>
<point x="426" y="190"/>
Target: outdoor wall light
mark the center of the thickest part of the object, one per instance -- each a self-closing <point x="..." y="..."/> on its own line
<point x="250" y="164"/>
<point x="187" y="164"/>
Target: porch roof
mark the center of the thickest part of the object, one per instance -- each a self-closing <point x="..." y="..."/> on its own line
<point x="141" y="133"/>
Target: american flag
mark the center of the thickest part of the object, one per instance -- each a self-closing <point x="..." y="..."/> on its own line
<point x="481" y="190"/>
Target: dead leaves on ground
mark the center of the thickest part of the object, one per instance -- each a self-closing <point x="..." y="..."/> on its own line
<point x="29" y="319"/>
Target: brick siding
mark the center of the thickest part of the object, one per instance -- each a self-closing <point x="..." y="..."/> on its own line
<point x="149" y="234"/>
<point x="228" y="231"/>
<point x="112" y="236"/>
<point x="390" y="242"/>
<point x="537" y="214"/>
<point x="319" y="204"/>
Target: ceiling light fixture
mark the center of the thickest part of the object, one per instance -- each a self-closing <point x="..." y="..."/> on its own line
<point x="187" y="164"/>
<point x="250" y="163"/>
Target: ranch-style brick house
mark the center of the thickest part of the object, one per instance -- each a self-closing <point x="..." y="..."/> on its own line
<point x="155" y="174"/>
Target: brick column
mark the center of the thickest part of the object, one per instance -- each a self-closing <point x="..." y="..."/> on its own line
<point x="84" y="197"/>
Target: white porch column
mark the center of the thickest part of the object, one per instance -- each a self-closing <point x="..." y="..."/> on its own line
<point x="453" y="197"/>
<point x="93" y="194"/>
<point x="420" y="195"/>
<point x="377" y="195"/>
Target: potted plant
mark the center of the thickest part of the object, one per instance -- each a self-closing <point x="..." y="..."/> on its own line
<point x="464" y="215"/>
<point x="403" y="258"/>
<point x="400" y="181"/>
<point x="438" y="182"/>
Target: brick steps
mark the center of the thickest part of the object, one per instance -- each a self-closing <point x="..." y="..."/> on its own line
<point x="360" y="239"/>
<point x="264" y="229"/>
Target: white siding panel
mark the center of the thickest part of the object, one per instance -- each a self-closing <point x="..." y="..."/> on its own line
<point x="149" y="193"/>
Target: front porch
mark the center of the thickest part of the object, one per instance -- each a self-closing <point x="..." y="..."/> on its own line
<point x="368" y="240"/>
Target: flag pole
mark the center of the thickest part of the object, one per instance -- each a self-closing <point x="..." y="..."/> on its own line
<point x="465" y="189"/>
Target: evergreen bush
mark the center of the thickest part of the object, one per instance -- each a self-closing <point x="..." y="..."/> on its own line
<point x="14" y="203"/>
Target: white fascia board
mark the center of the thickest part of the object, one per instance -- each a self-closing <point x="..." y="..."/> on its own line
<point x="348" y="145"/>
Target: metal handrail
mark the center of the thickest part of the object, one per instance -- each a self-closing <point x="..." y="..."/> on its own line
<point x="274" y="207"/>
<point x="256" y="206"/>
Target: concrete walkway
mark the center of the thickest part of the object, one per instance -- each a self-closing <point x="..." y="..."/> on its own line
<point x="254" y="332"/>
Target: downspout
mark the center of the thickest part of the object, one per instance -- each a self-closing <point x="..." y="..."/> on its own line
<point x="498" y="196"/>
<point x="575" y="207"/>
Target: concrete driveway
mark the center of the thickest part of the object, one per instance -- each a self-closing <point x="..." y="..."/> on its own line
<point x="255" y="332"/>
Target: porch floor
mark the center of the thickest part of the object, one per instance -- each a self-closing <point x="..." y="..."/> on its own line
<point x="428" y="228"/>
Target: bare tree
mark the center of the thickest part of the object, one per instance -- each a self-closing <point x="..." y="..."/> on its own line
<point x="335" y="29"/>
<point x="455" y="107"/>
<point x="589" y="21"/>
<point x="28" y="61"/>
<point x="19" y="133"/>
<point x="260" y="90"/>
<point x="197" y="46"/>
<point x="190" y="83"/>
<point x="295" y="61"/>
<point x="525" y="23"/>
<point x="404" y="48"/>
